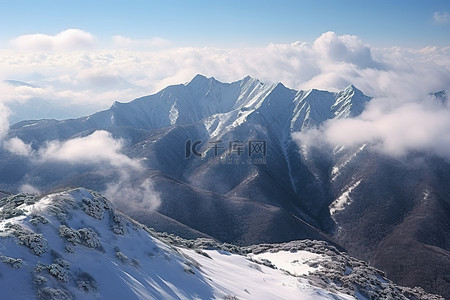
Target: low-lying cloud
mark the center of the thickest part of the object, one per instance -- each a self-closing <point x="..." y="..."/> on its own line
<point x="123" y="42"/>
<point x="99" y="147"/>
<point x="101" y="152"/>
<point x="398" y="78"/>
<point x="422" y="126"/>
<point x="18" y="147"/>
<point x="344" y="49"/>
<point x="131" y="196"/>
<point x="28" y="188"/>
<point x="4" y="124"/>
<point x="70" y="39"/>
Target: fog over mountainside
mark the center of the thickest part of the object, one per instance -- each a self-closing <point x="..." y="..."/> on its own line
<point x="248" y="162"/>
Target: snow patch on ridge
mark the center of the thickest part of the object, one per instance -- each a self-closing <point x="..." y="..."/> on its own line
<point x="335" y="171"/>
<point x="296" y="263"/>
<point x="173" y="114"/>
<point x="344" y="199"/>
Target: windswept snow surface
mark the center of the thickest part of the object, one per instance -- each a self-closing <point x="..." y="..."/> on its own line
<point x="297" y="263"/>
<point x="236" y="275"/>
<point x="73" y="245"/>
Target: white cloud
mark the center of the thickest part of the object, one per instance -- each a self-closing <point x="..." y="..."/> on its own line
<point x="441" y="17"/>
<point x="99" y="147"/>
<point x="4" y="125"/>
<point x="69" y="39"/>
<point x="104" y="153"/>
<point x="123" y="42"/>
<point x="401" y="118"/>
<point x="28" y="188"/>
<point x="95" y="79"/>
<point x="395" y="130"/>
<point x="133" y="196"/>
<point x="18" y="147"/>
<point x="344" y="49"/>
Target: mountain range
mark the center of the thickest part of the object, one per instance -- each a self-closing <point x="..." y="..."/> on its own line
<point x="217" y="160"/>
<point x="73" y="244"/>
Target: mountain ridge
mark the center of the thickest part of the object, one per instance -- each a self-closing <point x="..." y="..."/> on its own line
<point x="354" y="195"/>
<point x="74" y="244"/>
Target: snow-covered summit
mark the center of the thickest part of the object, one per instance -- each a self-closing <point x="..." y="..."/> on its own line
<point x="219" y="107"/>
<point x="203" y="98"/>
<point x="74" y="245"/>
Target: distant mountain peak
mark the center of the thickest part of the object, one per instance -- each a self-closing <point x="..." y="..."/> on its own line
<point x="352" y="88"/>
<point x="18" y="83"/>
<point x="441" y="96"/>
<point x="280" y="85"/>
<point x="199" y="79"/>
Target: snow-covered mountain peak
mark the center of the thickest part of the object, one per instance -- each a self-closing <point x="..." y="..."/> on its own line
<point x="197" y="78"/>
<point x="350" y="87"/>
<point x="350" y="90"/>
<point x="441" y="96"/>
<point x="200" y="83"/>
<point x="313" y="107"/>
<point x="349" y="102"/>
<point x="205" y="98"/>
<point x="18" y="83"/>
<point x="280" y="85"/>
<point x="200" y="79"/>
<point x="74" y="245"/>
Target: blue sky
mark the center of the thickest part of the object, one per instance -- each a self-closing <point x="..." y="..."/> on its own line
<point x="407" y="23"/>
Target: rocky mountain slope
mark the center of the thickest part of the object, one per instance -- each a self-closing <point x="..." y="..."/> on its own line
<point x="218" y="160"/>
<point x="73" y="244"/>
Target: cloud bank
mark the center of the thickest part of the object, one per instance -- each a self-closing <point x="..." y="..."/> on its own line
<point x="18" y="147"/>
<point x="123" y="42"/>
<point x="398" y="78"/>
<point x="99" y="147"/>
<point x="422" y="126"/>
<point x="70" y="39"/>
<point x="136" y="197"/>
<point x="4" y="125"/>
<point x="96" y="78"/>
<point x="101" y="152"/>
